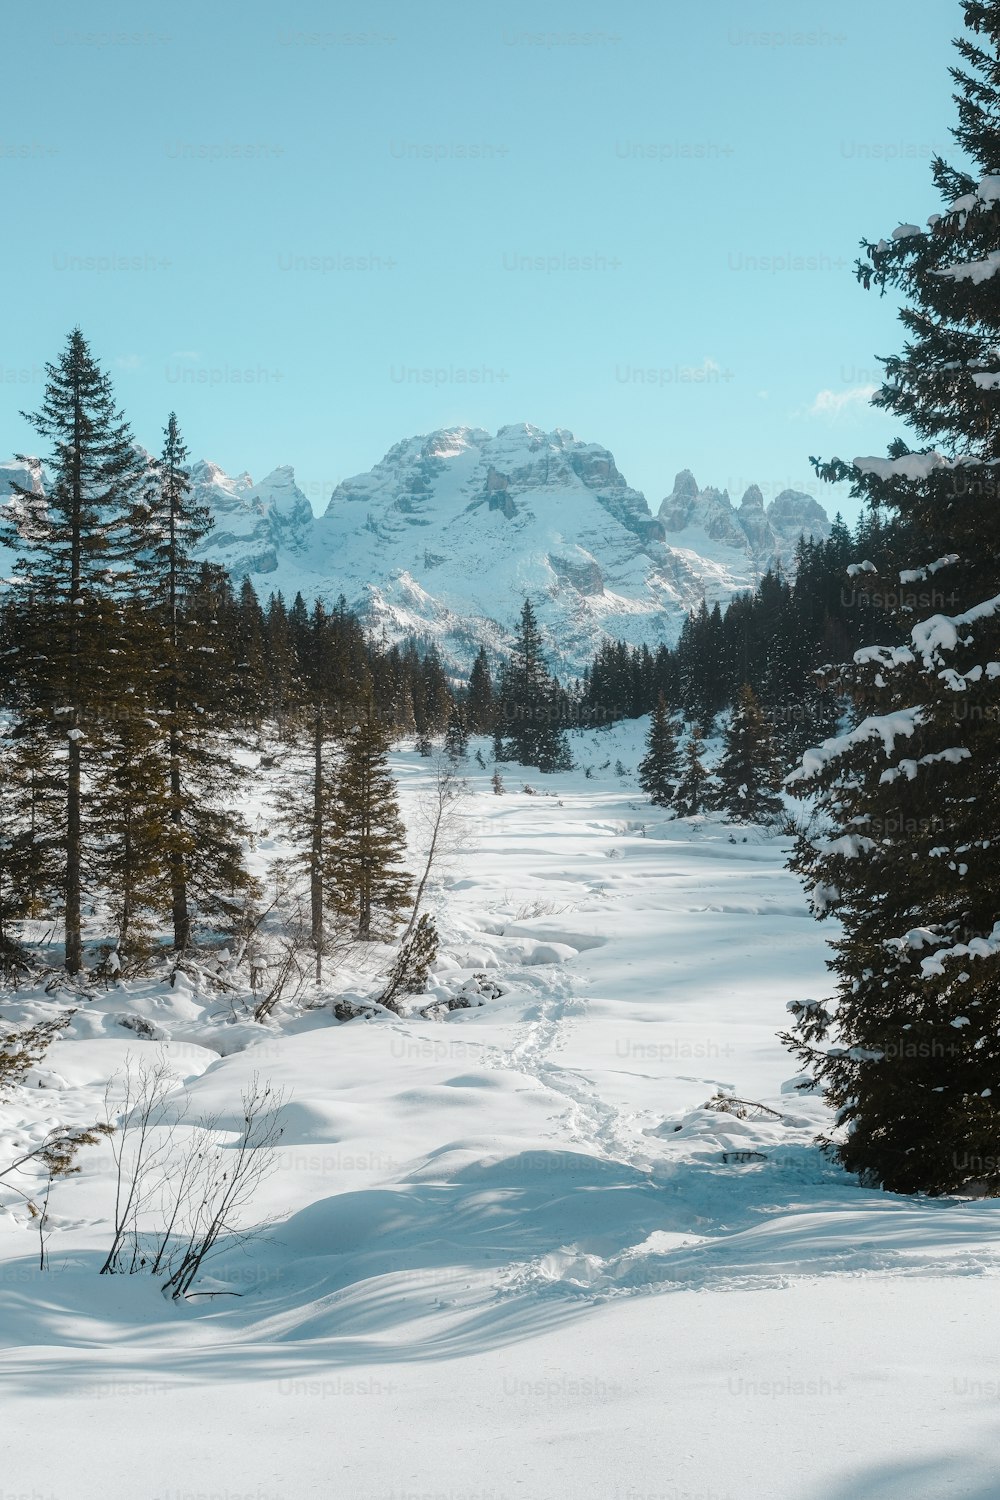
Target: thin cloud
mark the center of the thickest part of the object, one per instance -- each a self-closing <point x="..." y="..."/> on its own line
<point x="832" y="403"/>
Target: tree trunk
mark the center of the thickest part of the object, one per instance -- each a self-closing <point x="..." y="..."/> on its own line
<point x="74" y="830"/>
<point x="178" y="875"/>
<point x="316" y="851"/>
<point x="74" y="941"/>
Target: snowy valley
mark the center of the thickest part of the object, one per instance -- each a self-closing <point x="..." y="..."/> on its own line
<point x="523" y="1247"/>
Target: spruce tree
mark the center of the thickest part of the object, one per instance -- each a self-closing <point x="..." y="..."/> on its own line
<point x="747" y="774"/>
<point x="251" y="656"/>
<point x="32" y="793"/>
<point x="128" y="800"/>
<point x="456" y="739"/>
<point x="659" y="770"/>
<point x="369" y="885"/>
<point x="190" y="685"/>
<point x="691" y="794"/>
<point x="65" y="673"/>
<point x="481" y="705"/>
<point x="909" y="1050"/>
<point x="435" y="697"/>
<point x="529" y="710"/>
<point x="305" y="800"/>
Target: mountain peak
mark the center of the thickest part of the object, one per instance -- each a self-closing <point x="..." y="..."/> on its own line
<point x="445" y="536"/>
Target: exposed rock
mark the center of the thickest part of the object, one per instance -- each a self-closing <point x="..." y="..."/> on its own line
<point x="448" y="533"/>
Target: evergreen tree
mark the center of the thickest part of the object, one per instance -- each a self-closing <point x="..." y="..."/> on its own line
<point x="456" y="740"/>
<point x="909" y="1054"/>
<point x="128" y="800"/>
<point x="190" y="683"/>
<point x="692" y="791"/>
<point x="748" y="772"/>
<point x="529" y="709"/>
<point x="31" y="796"/>
<point x="481" y="705"/>
<point x="435" y="698"/>
<point x="369" y="887"/>
<point x="411" y="970"/>
<point x="307" y="798"/>
<point x="65" y="675"/>
<point x="251" y="655"/>
<point x="659" y="770"/>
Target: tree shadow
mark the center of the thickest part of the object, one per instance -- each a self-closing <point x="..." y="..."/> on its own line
<point x="958" y="1475"/>
<point x="406" y="1274"/>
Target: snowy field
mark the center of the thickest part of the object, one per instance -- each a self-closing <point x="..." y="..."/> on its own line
<point x="515" y="1255"/>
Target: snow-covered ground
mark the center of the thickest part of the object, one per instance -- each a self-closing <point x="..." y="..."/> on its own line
<point x="516" y="1254"/>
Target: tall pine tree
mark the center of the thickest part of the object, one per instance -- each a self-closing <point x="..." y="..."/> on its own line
<point x="65" y="673"/>
<point x="909" y="1051"/>
<point x="191" y="686"/>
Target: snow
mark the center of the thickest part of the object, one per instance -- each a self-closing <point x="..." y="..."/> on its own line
<point x="919" y="575"/>
<point x="517" y="1254"/>
<point x="977" y="948"/>
<point x="883" y="656"/>
<point x="912" y="466"/>
<point x="909" y="768"/>
<point x="976" y="271"/>
<point x="886" y="727"/>
<point x="410" y="542"/>
<point x="941" y="632"/>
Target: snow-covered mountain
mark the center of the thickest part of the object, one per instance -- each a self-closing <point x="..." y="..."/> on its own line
<point x="447" y="534"/>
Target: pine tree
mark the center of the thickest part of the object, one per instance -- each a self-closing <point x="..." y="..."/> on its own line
<point x="128" y="799"/>
<point x="251" y="655"/>
<point x="529" y="709"/>
<point x="435" y="699"/>
<point x="748" y="773"/>
<point x="456" y="739"/>
<point x="30" y="805"/>
<point x="659" y="770"/>
<point x="369" y="886"/>
<point x="692" y="791"/>
<point x="190" y="683"/>
<point x="481" y="705"/>
<point x="307" y="798"/>
<point x="411" y="970"/>
<point x="65" y="671"/>
<point x="32" y="795"/>
<point x="909" y="1053"/>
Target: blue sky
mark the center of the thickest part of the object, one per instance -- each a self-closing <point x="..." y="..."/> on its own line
<point x="315" y="230"/>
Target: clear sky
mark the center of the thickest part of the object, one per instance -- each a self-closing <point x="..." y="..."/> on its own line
<point x="314" y="230"/>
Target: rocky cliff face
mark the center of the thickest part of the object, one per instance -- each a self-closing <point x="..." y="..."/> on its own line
<point x="448" y="532"/>
<point x="767" y="534"/>
<point x="256" y="525"/>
